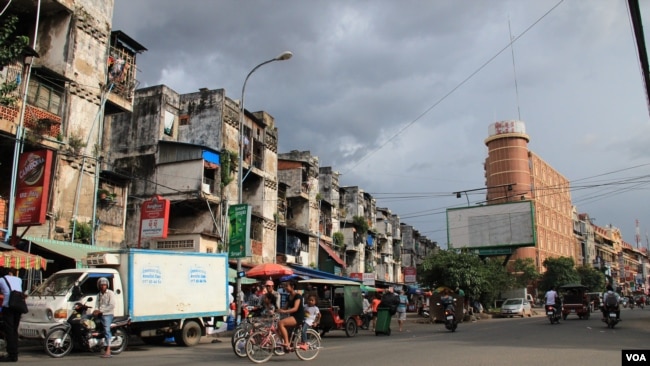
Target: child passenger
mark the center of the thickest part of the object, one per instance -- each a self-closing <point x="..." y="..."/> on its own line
<point x="268" y="304"/>
<point x="312" y="316"/>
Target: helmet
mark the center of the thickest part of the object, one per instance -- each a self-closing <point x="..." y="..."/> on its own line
<point x="102" y="281"/>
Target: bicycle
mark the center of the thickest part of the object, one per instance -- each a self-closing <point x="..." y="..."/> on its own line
<point x="239" y="344"/>
<point x="262" y="344"/>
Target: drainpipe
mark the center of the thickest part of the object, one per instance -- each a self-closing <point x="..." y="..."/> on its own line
<point x="18" y="147"/>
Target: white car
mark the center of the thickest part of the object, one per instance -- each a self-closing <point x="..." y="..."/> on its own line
<point x="516" y="307"/>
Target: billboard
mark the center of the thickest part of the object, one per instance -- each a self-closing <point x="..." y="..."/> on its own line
<point x="34" y="171"/>
<point x="499" y="225"/>
<point x="239" y="241"/>
<point x="154" y="218"/>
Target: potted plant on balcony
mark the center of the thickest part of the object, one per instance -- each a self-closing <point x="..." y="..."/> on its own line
<point x="103" y="194"/>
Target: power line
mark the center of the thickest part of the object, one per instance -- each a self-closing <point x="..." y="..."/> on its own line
<point x="449" y="93"/>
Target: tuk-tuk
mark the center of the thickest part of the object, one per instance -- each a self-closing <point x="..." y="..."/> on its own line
<point x="343" y="310"/>
<point x="575" y="301"/>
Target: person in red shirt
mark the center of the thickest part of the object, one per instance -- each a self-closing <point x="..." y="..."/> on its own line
<point x="375" y="305"/>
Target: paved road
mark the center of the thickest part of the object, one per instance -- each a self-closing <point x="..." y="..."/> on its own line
<point x="502" y="342"/>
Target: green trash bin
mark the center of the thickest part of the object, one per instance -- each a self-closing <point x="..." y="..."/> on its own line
<point x="383" y="321"/>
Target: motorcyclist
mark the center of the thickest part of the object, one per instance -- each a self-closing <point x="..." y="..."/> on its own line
<point x="551" y="298"/>
<point x="447" y="300"/>
<point x="609" y="291"/>
<point x="104" y="311"/>
<point x="367" y="312"/>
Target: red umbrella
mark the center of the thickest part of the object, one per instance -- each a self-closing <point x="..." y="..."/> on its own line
<point x="267" y="270"/>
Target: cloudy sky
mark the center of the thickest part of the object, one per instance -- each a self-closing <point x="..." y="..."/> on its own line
<point x="398" y="95"/>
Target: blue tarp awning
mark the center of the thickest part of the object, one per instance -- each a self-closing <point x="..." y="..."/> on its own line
<point x="211" y="157"/>
<point x="309" y="273"/>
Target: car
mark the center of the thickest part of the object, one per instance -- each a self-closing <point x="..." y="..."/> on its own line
<point x="517" y="306"/>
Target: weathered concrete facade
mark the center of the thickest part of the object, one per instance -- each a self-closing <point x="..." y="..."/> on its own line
<point x="299" y="171"/>
<point x="184" y="147"/>
<point x="67" y="95"/>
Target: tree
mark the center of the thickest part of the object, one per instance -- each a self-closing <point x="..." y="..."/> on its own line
<point x="11" y="48"/>
<point x="460" y="269"/>
<point x="559" y="271"/>
<point x="525" y="272"/>
<point x="592" y="278"/>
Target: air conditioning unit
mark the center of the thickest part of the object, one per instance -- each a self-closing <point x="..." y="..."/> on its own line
<point x="205" y="188"/>
<point x="291" y="258"/>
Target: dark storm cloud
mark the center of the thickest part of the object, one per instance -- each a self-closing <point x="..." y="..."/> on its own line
<point x="369" y="89"/>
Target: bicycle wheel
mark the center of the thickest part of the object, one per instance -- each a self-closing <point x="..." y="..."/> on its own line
<point x="260" y="346"/>
<point x="239" y="347"/>
<point x="309" y="349"/>
<point x="241" y="331"/>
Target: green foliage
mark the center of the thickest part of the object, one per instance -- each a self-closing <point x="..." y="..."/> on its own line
<point x="450" y="268"/>
<point x="83" y="231"/>
<point x="525" y="272"/>
<point x="6" y="89"/>
<point x="338" y="239"/>
<point x="12" y="47"/>
<point x="361" y="224"/>
<point x="559" y="271"/>
<point x="228" y="159"/>
<point x="76" y="142"/>
<point x="592" y="278"/>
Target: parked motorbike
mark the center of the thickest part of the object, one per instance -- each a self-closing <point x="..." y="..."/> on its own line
<point x="450" y="315"/>
<point x="610" y="317"/>
<point x="553" y="314"/>
<point x="85" y="333"/>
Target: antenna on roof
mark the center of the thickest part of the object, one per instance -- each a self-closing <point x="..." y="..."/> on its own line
<point x="514" y="69"/>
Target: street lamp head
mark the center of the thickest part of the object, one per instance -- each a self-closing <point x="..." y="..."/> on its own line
<point x="284" y="56"/>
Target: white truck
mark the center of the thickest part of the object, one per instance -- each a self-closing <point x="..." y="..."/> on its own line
<point x="518" y="293"/>
<point x="164" y="293"/>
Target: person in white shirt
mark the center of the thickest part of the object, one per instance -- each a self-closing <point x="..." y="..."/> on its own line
<point x="11" y="318"/>
<point x="609" y="292"/>
<point x="367" y="312"/>
<point x="312" y="315"/>
<point x="552" y="298"/>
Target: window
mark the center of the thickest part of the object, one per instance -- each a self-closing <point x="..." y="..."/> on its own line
<point x="184" y="120"/>
<point x="176" y="244"/>
<point x="44" y="96"/>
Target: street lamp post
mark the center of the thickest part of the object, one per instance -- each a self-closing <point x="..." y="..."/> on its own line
<point x="240" y="167"/>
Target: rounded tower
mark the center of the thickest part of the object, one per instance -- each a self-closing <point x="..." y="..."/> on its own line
<point x="507" y="166"/>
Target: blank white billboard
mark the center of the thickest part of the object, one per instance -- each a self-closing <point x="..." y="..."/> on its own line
<point x="502" y="225"/>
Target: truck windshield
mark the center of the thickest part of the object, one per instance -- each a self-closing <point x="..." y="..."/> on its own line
<point x="57" y="285"/>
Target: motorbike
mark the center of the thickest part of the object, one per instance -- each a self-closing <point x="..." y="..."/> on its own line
<point x="450" y="315"/>
<point x="631" y="304"/>
<point x="640" y="302"/>
<point x="610" y="317"/>
<point x="553" y="314"/>
<point x="82" y="332"/>
<point x="424" y="312"/>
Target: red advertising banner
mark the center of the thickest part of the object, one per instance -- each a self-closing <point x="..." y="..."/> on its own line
<point x="410" y="274"/>
<point x="154" y="218"/>
<point x="32" y="187"/>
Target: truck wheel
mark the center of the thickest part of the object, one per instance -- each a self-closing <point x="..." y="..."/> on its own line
<point x="190" y="335"/>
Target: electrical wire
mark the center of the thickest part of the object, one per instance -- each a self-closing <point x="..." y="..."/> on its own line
<point x="449" y="93"/>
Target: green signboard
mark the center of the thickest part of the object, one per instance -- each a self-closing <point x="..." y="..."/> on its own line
<point x="239" y="242"/>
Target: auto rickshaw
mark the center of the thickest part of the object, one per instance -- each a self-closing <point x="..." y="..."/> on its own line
<point x="575" y="301"/>
<point x="343" y="310"/>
